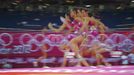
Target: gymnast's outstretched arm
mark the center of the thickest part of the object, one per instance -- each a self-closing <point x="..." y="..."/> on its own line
<point x="61" y="28"/>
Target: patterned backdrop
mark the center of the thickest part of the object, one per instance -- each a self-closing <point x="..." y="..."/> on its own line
<point x="23" y="48"/>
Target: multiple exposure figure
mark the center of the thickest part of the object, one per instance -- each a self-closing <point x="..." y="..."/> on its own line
<point x="80" y="23"/>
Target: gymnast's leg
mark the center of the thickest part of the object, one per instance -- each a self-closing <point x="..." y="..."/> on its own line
<point x="75" y="49"/>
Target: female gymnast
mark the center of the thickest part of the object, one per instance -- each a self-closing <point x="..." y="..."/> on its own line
<point x="86" y="24"/>
<point x="81" y="23"/>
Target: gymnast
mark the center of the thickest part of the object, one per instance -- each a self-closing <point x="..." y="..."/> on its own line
<point x="85" y="24"/>
<point x="74" y="43"/>
<point x="82" y="23"/>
